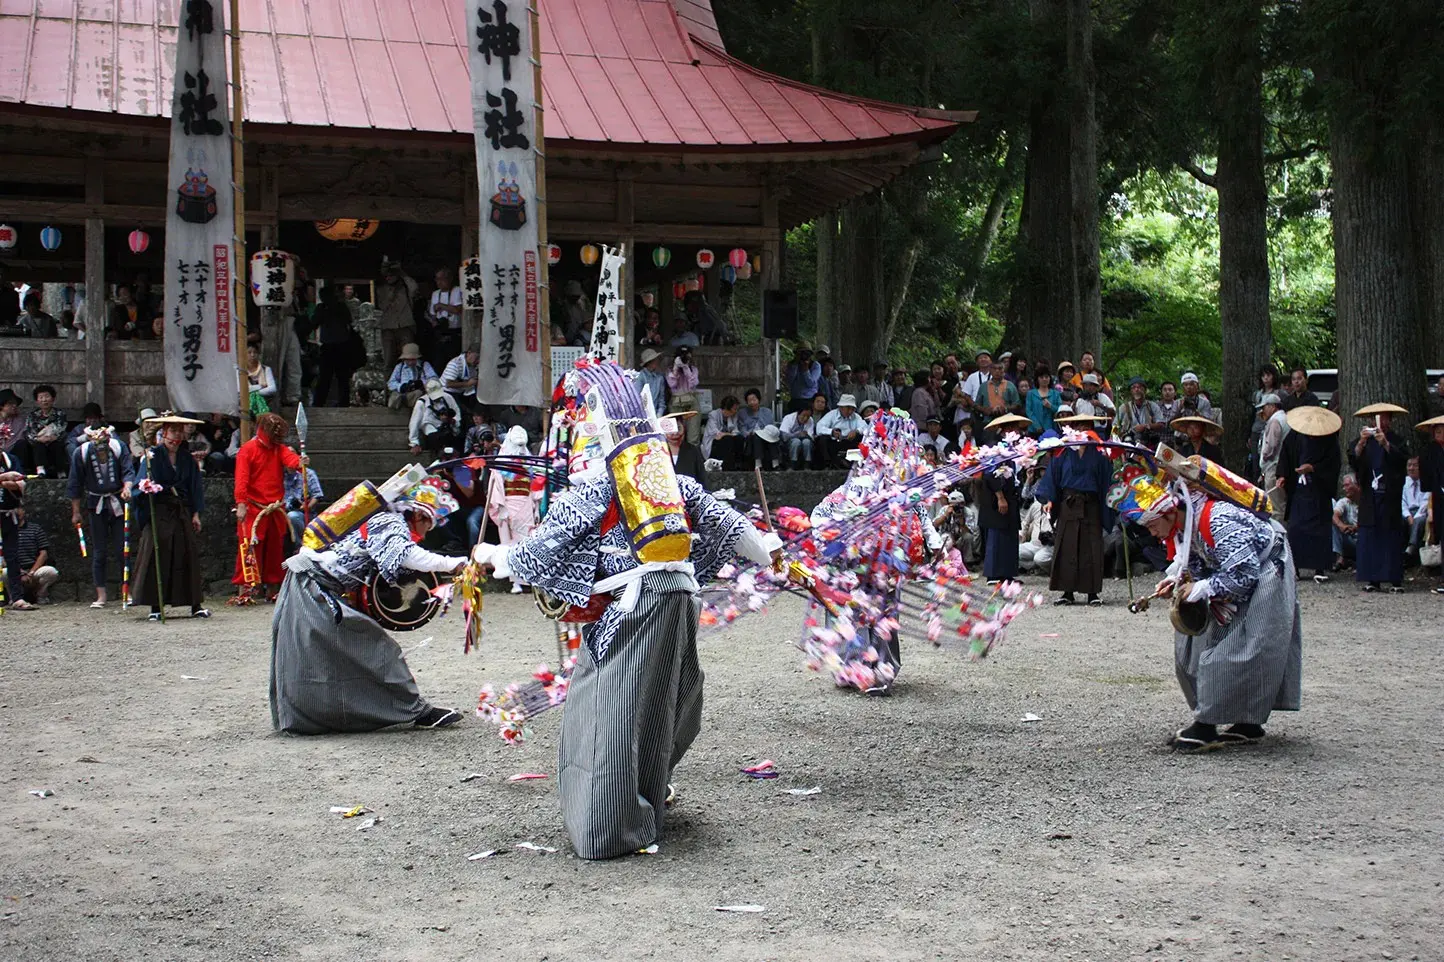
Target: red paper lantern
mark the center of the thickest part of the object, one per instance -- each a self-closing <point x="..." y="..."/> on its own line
<point x="737" y="257"/>
<point x="705" y="259"/>
<point x="554" y="254"/>
<point x="679" y="290"/>
<point x="139" y="241"/>
<point x="9" y="237"/>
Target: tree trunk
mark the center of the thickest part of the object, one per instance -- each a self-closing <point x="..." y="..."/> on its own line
<point x="1243" y="284"/>
<point x="824" y="229"/>
<point x="1426" y="199"/>
<point x="992" y="222"/>
<point x="1373" y="273"/>
<point x="860" y="295"/>
<point x="1083" y="131"/>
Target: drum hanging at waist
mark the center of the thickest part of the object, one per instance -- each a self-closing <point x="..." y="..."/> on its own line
<point x="405" y="606"/>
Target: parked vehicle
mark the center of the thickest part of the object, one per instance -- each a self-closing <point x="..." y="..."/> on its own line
<point x="1324" y="382"/>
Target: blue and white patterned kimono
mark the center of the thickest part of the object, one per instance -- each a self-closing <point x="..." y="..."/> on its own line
<point x="634" y="703"/>
<point x="1238" y="673"/>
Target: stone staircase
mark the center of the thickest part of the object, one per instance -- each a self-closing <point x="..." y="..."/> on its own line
<point x="349" y="445"/>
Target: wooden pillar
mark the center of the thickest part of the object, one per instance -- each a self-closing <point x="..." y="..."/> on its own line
<point x="626" y="284"/>
<point x="271" y="204"/>
<point x="771" y="276"/>
<point x="470" y="247"/>
<point x="95" y="285"/>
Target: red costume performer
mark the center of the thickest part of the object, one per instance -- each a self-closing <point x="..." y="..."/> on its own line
<point x="261" y="467"/>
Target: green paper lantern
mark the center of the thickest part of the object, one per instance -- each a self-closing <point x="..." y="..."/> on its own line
<point x="661" y="257"/>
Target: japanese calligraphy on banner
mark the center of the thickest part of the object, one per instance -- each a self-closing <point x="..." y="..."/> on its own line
<point x="606" y="331"/>
<point x="503" y="108"/>
<point x="200" y="363"/>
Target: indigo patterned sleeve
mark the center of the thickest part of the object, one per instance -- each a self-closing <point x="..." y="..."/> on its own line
<point x="1240" y="542"/>
<point x="560" y="555"/>
<point x="716" y="528"/>
<point x="388" y="539"/>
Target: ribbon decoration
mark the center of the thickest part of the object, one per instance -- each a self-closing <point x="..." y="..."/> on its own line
<point x="125" y="553"/>
<point x="80" y="533"/>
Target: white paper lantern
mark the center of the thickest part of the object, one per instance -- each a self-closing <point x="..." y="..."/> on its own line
<point x="273" y="278"/>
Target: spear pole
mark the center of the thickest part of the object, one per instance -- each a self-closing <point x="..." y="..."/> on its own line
<point x="154" y="535"/>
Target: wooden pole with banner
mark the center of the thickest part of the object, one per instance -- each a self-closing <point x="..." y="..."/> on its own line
<point x="544" y="294"/>
<point x="238" y="189"/>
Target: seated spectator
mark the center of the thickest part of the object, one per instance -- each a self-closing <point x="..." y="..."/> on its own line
<point x="34" y="321"/>
<point x="32" y="556"/>
<point x="460" y="378"/>
<point x="933" y="439"/>
<point x="262" y="380"/>
<point x="798" y="431"/>
<point x="43" y="446"/>
<point x="200" y="450"/>
<point x="301" y="501"/>
<point x="480" y="437"/>
<point x="12" y="422"/>
<point x="93" y="419"/>
<point x="128" y="320"/>
<point x="1035" y="539"/>
<point x="839" y="432"/>
<point x="649" y="375"/>
<point x="762" y="445"/>
<point x="225" y="446"/>
<point x="703" y="319"/>
<point x="469" y="486"/>
<point x="650" y="332"/>
<point x="519" y="414"/>
<point x="687" y="458"/>
<point x="435" y="421"/>
<point x="682" y="333"/>
<point x="723" y="439"/>
<point x="1346" y="523"/>
<point x="1415" y="507"/>
<point x="408" y="379"/>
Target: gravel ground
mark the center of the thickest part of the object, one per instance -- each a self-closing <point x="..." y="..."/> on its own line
<point x="182" y="828"/>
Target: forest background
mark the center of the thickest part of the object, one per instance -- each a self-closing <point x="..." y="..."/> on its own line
<point x="1189" y="186"/>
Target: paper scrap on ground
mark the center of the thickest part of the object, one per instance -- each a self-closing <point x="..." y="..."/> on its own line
<point x="526" y="776"/>
<point x="1030" y="717"/>
<point x="814" y="790"/>
<point x="41" y="792"/>
<point x="533" y="847"/>
<point x="350" y="811"/>
<point x="471" y="777"/>
<point x="369" y="823"/>
<point x="423" y="643"/>
<point x="652" y="849"/>
<point x="763" y="769"/>
<point x="1050" y="634"/>
<point x="739" y="908"/>
<point x="192" y="678"/>
<point x="481" y="855"/>
<point x="88" y="759"/>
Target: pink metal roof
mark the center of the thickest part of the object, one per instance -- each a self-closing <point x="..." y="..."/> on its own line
<point x="618" y="72"/>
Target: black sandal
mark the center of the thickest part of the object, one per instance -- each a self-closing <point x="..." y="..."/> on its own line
<point x="1243" y="734"/>
<point x="1065" y="600"/>
<point x="1370" y="587"/>
<point x="1196" y="738"/>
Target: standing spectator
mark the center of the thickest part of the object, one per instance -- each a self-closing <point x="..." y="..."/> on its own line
<point x="1268" y="383"/>
<point x="9" y="301"/>
<point x="512" y="499"/>
<point x="799" y="431"/>
<point x="973" y="383"/>
<point x="1346" y="523"/>
<point x="469" y="486"/>
<point x="959" y="413"/>
<point x="93" y="418"/>
<point x="877" y="393"/>
<point x="649" y="375"/>
<point x="1415" y="505"/>
<point x="682" y="381"/>
<point x="443" y="315"/>
<point x="524" y="416"/>
<point x="952" y="374"/>
<point x="1192" y="401"/>
<point x="1431" y="476"/>
<point x="999" y="517"/>
<point x="1043" y="402"/>
<point x="333" y="321"/>
<point x="409" y="378"/>
<point x="101" y="476"/>
<point x="687" y="457"/>
<point x="395" y="307"/>
<point x="764" y="443"/>
<point x="1299" y="393"/>
<point x="301" y="500"/>
<point x="12" y="491"/>
<point x="839" y="431"/>
<point x="801" y="376"/>
<point x="128" y="320"/>
<point x="32" y="557"/>
<point x="934" y="439"/>
<point x="1140" y="420"/>
<point x="1379" y="459"/>
<point x="262" y="380"/>
<point x="143" y="436"/>
<point x="1020" y="370"/>
<point x="1276" y="428"/>
<point x="1092" y="401"/>
<point x="924" y="402"/>
<point x="1089" y="365"/>
<point x="722" y="440"/>
<point x="827" y="384"/>
<point x="1066" y="373"/>
<point x="1169" y="404"/>
<point x="1307" y="473"/>
<point x="435" y="421"/>
<point x="574" y="315"/>
<point x="880" y="390"/>
<point x="281" y="350"/>
<point x="902" y="391"/>
<point x="34" y="321"/>
<point x="682" y="333"/>
<point x="43" y="447"/>
<point x="460" y="378"/>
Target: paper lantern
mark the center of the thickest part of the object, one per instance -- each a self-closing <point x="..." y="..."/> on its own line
<point x="590" y="254"/>
<point x="348" y="229"/>
<point x="554" y="254"/>
<point x="139" y="241"/>
<point x="757" y="263"/>
<point x="691" y="284"/>
<point x="679" y="290"/>
<point x="9" y="237"/>
<point x="648" y="299"/>
<point x="729" y="274"/>
<point x="744" y="272"/>
<point x="472" y="293"/>
<point x="737" y="257"/>
<point x="273" y="278"/>
<point x="50" y="238"/>
<point x="705" y="259"/>
<point x="661" y="257"/>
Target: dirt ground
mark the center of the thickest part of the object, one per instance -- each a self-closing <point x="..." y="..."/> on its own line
<point x="182" y="828"/>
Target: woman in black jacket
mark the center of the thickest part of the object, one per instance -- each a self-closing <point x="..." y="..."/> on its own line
<point x="333" y="319"/>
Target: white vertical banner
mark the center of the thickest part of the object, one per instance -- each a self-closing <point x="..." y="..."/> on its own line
<point x="504" y="109"/>
<point x="200" y="358"/>
<point x="606" y="331"/>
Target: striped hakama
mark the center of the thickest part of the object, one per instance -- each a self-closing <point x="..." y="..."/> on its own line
<point x="1240" y="672"/>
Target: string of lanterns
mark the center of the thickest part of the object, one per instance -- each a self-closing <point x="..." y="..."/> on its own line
<point x="51" y="238"/>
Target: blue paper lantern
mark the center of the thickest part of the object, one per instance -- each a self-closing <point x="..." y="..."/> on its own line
<point x="729" y="274"/>
<point x="50" y="238"/>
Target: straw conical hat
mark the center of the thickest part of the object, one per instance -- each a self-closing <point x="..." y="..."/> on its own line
<point x="1083" y="419"/>
<point x="1008" y="420"/>
<point x="1316" y="422"/>
<point x="1431" y="423"/>
<point x="1210" y="427"/>
<point x="1384" y="408"/>
<point x="172" y="419"/>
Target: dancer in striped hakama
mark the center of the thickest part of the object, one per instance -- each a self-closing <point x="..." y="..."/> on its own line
<point x="634" y="702"/>
<point x="1248" y="661"/>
